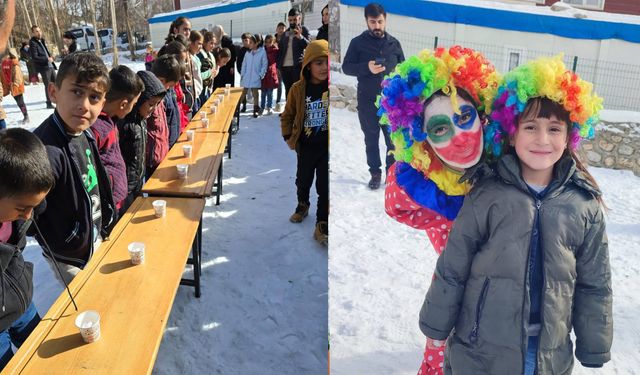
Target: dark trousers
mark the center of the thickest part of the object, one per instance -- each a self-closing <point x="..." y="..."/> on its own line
<point x="290" y="75"/>
<point x="17" y="333"/>
<point x="279" y="93"/>
<point x="314" y="159"/>
<point x="20" y="102"/>
<point x="370" y="125"/>
<point x="48" y="75"/>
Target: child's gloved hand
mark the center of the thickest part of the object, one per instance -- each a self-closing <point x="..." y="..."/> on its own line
<point x="434" y="355"/>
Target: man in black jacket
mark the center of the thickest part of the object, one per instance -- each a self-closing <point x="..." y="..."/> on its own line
<point x="291" y="49"/>
<point x="25" y="179"/>
<point x="42" y="60"/>
<point x="370" y="56"/>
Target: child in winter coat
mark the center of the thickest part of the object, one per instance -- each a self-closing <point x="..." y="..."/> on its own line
<point x="80" y="210"/>
<point x="133" y="134"/>
<point x="169" y="71"/>
<point x="305" y="128"/>
<point x="254" y="67"/>
<point x="125" y="89"/>
<point x="423" y="188"/>
<point x="13" y="81"/>
<point x="528" y="259"/>
<point x="25" y="179"/>
<point x="270" y="80"/>
<point x="149" y="56"/>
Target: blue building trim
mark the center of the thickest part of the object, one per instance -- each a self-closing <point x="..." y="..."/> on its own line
<point x="510" y="20"/>
<point x="211" y="11"/>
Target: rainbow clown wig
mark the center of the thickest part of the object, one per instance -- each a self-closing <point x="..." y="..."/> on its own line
<point x="401" y="105"/>
<point x="544" y="77"/>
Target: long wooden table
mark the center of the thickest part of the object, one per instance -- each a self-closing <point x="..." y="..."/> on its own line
<point x="205" y="167"/>
<point x="227" y="110"/>
<point x="134" y="302"/>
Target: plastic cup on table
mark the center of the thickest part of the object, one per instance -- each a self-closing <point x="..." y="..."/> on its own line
<point x="227" y="89"/>
<point x="191" y="133"/>
<point x="187" y="150"/>
<point x="203" y="114"/>
<point x="214" y="109"/>
<point x="88" y="322"/>
<point x="220" y="98"/>
<point x="205" y="123"/>
<point x="183" y="170"/>
<point x="160" y="207"/>
<point x="136" y="252"/>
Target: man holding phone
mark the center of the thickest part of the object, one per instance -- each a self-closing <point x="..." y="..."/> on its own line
<point x="370" y="56"/>
<point x="291" y="49"/>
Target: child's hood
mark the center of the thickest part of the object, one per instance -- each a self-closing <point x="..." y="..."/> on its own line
<point x="315" y="49"/>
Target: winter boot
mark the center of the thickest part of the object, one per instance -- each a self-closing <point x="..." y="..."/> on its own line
<point x="374" y="182"/>
<point x="302" y="210"/>
<point x="321" y="233"/>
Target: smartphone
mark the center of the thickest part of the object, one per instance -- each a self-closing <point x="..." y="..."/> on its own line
<point x="380" y="60"/>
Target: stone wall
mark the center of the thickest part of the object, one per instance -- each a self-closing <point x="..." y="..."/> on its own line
<point x="616" y="145"/>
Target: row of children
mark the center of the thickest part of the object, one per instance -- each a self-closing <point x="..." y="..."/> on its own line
<point x="109" y="130"/>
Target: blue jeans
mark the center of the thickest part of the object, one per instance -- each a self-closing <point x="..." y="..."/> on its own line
<point x="531" y="361"/>
<point x="267" y="95"/>
<point x="3" y="124"/>
<point x="17" y="333"/>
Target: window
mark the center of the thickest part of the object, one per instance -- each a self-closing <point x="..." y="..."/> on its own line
<point x="535" y="1"/>
<point x="587" y="4"/>
<point x="513" y="56"/>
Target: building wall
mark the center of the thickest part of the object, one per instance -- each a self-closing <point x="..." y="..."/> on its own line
<point x="615" y="6"/>
<point x="610" y="64"/>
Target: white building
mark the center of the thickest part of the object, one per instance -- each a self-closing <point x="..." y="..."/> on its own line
<point x="236" y="16"/>
<point x="603" y="47"/>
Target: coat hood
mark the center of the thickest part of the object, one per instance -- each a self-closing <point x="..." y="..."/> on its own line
<point x="315" y="49"/>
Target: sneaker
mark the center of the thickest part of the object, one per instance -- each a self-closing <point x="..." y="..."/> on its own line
<point x="279" y="107"/>
<point x="302" y="210"/>
<point x="270" y="111"/>
<point x="374" y="182"/>
<point x="321" y="233"/>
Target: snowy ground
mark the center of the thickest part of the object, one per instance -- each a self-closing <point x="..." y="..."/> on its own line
<point x="380" y="269"/>
<point x="263" y="308"/>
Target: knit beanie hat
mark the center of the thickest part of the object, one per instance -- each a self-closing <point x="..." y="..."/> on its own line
<point x="152" y="86"/>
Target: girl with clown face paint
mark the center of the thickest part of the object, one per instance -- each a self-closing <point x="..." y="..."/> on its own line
<point x="436" y="104"/>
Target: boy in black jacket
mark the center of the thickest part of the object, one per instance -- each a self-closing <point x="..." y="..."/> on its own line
<point x="25" y="179"/>
<point x="80" y="209"/>
<point x="133" y="134"/>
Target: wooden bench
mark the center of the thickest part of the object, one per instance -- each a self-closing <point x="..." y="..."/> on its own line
<point x="134" y="302"/>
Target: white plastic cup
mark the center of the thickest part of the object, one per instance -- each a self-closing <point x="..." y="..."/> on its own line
<point x="216" y="101"/>
<point x="205" y="122"/>
<point x="214" y="109"/>
<point x="136" y="251"/>
<point x="220" y="98"/>
<point x="160" y="207"/>
<point x="183" y="170"/>
<point x="88" y="322"/>
<point x="192" y="133"/>
<point x="227" y="89"/>
<point x="203" y="114"/>
<point x="187" y="150"/>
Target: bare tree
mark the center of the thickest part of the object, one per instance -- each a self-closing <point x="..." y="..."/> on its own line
<point x="129" y="33"/>
<point x="57" y="36"/>
<point x="98" y="46"/>
<point x="114" y="26"/>
<point x="26" y="16"/>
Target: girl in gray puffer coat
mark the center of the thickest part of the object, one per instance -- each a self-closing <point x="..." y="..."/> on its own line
<point x="527" y="259"/>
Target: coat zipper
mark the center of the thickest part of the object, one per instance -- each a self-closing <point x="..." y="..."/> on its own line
<point x="473" y="336"/>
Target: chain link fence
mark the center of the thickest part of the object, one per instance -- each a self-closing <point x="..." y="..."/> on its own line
<point x="618" y="84"/>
